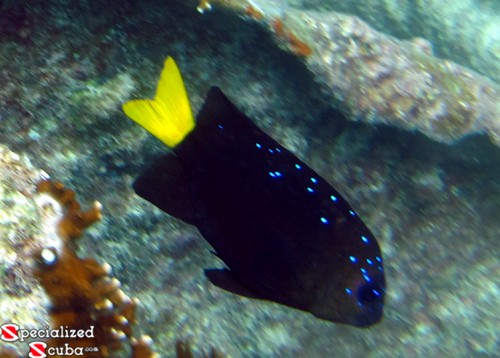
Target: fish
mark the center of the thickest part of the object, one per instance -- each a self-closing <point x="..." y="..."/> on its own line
<point x="283" y="232"/>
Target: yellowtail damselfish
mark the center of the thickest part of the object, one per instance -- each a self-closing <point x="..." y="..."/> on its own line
<point x="285" y="234"/>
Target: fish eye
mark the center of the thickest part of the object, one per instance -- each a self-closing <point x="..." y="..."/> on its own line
<point x="370" y="293"/>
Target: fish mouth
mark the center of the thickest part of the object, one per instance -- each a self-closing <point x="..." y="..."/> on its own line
<point x="369" y="317"/>
<point x="370" y="297"/>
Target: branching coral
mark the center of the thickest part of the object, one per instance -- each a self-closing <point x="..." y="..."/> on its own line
<point x="84" y="295"/>
<point x="82" y="292"/>
<point x="39" y="237"/>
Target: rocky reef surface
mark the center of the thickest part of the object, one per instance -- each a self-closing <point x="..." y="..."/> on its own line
<point x="66" y="68"/>
<point x="22" y="300"/>
<point x="466" y="32"/>
<point x="378" y="78"/>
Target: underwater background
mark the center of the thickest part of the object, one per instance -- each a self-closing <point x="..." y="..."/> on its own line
<point x="418" y="157"/>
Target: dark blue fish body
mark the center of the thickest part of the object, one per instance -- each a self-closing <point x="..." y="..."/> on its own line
<point x="284" y="233"/>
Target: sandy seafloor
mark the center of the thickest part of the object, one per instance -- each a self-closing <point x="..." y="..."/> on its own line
<point x="66" y="66"/>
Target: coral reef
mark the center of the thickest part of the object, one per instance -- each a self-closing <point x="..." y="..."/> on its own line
<point x="21" y="298"/>
<point x="466" y="32"/>
<point x="383" y="80"/>
<point x="377" y="78"/>
<point x="81" y="291"/>
<point x="434" y="207"/>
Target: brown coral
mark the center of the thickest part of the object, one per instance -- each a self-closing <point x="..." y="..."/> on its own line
<point x="75" y="220"/>
<point x="84" y="296"/>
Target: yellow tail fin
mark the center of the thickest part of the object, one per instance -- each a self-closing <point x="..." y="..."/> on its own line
<point x="168" y="116"/>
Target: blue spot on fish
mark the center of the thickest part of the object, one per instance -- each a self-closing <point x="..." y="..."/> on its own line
<point x="365" y="239"/>
<point x="352" y="213"/>
<point x="379" y="259"/>
<point x="314" y="180"/>
<point x="333" y="197"/>
<point x="309" y="189"/>
<point x="278" y="150"/>
<point x="324" y="220"/>
<point x="220" y="126"/>
<point x="258" y="145"/>
<point x="369" y="262"/>
<point x="367" y="278"/>
<point x="353" y="259"/>
<point x="348" y="291"/>
<point x="275" y="174"/>
<point x="271" y="151"/>
<point x="298" y="166"/>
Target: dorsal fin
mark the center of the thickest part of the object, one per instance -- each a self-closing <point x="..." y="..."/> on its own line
<point x="218" y="107"/>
